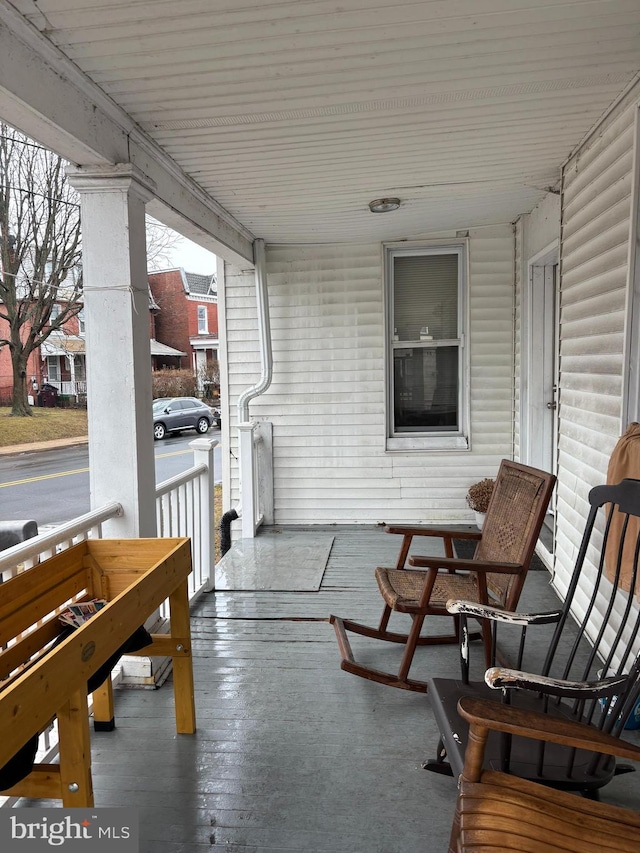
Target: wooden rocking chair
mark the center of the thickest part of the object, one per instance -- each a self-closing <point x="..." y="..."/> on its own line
<point x="495" y="574"/>
<point x="497" y="813"/>
<point x="590" y="672"/>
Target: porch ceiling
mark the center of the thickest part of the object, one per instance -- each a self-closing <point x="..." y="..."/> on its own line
<point x="294" y="115"/>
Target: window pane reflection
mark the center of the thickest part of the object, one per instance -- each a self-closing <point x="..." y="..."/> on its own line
<point x="426" y="389"/>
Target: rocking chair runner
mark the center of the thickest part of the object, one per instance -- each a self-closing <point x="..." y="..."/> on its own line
<point x="590" y="673"/>
<point x="497" y="813"/>
<point x="495" y="574"/>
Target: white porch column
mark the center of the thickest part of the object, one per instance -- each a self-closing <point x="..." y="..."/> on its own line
<point x="72" y="373"/>
<point x="203" y="455"/>
<point x="116" y="300"/>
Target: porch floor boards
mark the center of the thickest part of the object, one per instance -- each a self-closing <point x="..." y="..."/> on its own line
<point x="291" y="754"/>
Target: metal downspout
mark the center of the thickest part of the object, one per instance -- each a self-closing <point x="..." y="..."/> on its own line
<point x="264" y="335"/>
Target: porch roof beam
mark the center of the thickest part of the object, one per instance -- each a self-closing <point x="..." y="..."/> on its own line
<point x="49" y="98"/>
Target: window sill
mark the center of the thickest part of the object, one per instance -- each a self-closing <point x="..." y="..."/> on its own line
<point x="427" y="443"/>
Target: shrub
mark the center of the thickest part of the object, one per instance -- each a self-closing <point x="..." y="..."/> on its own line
<point x="174" y="383"/>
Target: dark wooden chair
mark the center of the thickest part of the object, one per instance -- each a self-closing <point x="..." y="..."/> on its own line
<point x="495" y="574"/>
<point x="585" y="668"/>
<point x="496" y="812"/>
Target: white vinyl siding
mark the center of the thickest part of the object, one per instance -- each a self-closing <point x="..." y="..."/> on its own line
<point x="596" y="207"/>
<point x="491" y="318"/>
<point x="327" y="398"/>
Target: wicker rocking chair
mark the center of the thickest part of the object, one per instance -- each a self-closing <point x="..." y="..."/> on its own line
<point x="585" y="671"/>
<point x="494" y="575"/>
<point x="497" y="813"/>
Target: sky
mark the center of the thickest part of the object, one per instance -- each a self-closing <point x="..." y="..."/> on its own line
<point x="192" y="258"/>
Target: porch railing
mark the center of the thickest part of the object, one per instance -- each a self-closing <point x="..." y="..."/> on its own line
<point x="67" y="388"/>
<point x="256" y="476"/>
<point x="27" y="554"/>
<point x="184" y="507"/>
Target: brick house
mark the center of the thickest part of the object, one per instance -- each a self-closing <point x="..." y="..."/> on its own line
<point x="183" y="328"/>
<point x="185" y="316"/>
<point x="60" y="362"/>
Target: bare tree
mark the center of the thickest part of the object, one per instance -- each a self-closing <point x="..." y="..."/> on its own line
<point x="39" y="252"/>
<point x="208" y="378"/>
<point x="161" y="241"/>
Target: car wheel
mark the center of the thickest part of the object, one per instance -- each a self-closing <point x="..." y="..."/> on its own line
<point x="159" y="431"/>
<point x="202" y="426"/>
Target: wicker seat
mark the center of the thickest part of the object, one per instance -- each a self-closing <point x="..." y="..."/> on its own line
<point x="401" y="589"/>
<point x="495" y="575"/>
<point x="497" y="813"/>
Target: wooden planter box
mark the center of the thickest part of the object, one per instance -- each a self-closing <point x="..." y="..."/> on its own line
<point x="38" y="683"/>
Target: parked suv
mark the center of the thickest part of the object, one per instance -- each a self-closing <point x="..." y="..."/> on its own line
<point x="172" y="414"/>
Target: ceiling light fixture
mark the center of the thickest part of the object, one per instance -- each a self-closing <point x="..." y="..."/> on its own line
<point x="384" y="205"/>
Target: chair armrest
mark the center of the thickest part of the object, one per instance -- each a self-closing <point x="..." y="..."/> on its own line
<point x="447" y="535"/>
<point x="498" y="678"/>
<point x="487" y="714"/>
<point x="442" y="532"/>
<point x="459" y="607"/>
<point x="450" y="563"/>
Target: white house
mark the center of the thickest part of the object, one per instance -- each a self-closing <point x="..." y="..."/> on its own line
<point x="547" y="368"/>
<point x="508" y="134"/>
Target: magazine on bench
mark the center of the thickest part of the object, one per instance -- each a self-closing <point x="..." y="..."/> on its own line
<point x="77" y="614"/>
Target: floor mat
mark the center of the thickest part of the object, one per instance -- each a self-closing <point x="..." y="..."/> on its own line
<point x="275" y="561"/>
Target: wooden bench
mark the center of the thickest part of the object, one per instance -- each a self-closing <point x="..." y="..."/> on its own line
<point x="38" y="682"/>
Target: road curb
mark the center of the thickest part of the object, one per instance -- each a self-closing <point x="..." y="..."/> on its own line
<point x="37" y="446"/>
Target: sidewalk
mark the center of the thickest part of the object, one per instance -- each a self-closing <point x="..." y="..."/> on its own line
<point x="35" y="446"/>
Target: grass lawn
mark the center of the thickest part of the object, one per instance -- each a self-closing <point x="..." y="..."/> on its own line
<point x="43" y="425"/>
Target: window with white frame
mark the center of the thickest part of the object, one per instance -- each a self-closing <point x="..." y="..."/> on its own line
<point x="426" y="372"/>
<point x="81" y="326"/>
<point x="203" y="324"/>
<point x="53" y="368"/>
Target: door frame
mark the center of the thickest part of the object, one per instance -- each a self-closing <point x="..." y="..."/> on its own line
<point x="539" y="377"/>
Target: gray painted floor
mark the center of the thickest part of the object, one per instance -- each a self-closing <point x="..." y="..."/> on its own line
<point x="291" y="754"/>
